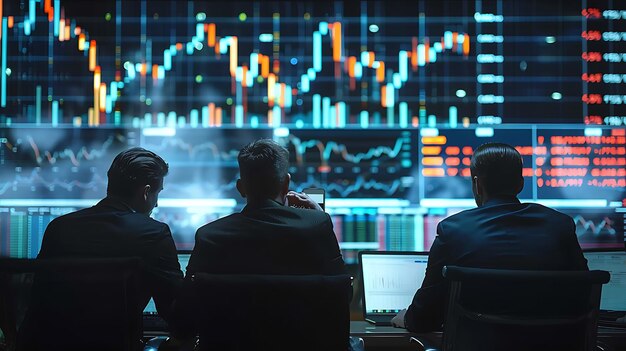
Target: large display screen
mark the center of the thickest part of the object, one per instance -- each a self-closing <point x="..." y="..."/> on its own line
<point x="380" y="103"/>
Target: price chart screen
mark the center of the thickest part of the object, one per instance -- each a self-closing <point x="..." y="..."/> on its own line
<point x="380" y="103"/>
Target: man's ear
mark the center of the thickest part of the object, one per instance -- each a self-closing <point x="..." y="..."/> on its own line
<point x="145" y="191"/>
<point x="241" y="188"/>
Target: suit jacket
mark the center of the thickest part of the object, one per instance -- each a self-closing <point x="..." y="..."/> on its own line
<point x="112" y="229"/>
<point x="268" y="238"/>
<point x="501" y="234"/>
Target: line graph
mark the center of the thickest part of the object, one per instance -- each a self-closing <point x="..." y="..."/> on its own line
<point x="358" y="187"/>
<point x="327" y="149"/>
<point x="586" y="226"/>
<point x="83" y="153"/>
<point x="34" y="183"/>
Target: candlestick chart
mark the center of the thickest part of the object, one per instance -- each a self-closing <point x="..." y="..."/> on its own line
<point x="381" y="103"/>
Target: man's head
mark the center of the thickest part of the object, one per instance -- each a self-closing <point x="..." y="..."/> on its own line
<point x="136" y="176"/>
<point x="263" y="167"/>
<point x="496" y="170"/>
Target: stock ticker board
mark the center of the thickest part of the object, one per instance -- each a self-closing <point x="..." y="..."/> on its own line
<point x="381" y="103"/>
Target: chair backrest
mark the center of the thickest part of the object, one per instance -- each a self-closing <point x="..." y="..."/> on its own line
<point x="271" y="312"/>
<point x="492" y="309"/>
<point x="71" y="304"/>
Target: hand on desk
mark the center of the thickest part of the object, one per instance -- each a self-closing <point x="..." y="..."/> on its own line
<point x="398" y="320"/>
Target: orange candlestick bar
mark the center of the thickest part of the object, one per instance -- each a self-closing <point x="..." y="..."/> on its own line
<point x="90" y="116"/>
<point x="81" y="42"/>
<point x="10" y="21"/>
<point x="269" y="117"/>
<point x="211" y="114"/>
<point x="337" y="41"/>
<point x="92" y="55"/>
<point x="218" y="117"/>
<point x="144" y="69"/>
<point x="217" y="47"/>
<point x="466" y="45"/>
<point x="415" y="121"/>
<point x="271" y="81"/>
<point x="233" y="55"/>
<point x="455" y="38"/>
<point x="383" y="94"/>
<point x="351" y="63"/>
<point x="372" y="58"/>
<point x="210" y="34"/>
<point x="103" y="96"/>
<point x="244" y="76"/>
<point x="427" y="49"/>
<point x="68" y="27"/>
<point x="380" y="72"/>
<point x="265" y="66"/>
<point x="155" y="72"/>
<point x="281" y="98"/>
<point x="62" y="30"/>
<point x="96" y="77"/>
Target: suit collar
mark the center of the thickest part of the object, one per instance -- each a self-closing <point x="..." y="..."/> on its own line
<point x="501" y="200"/>
<point x="115" y="203"/>
<point x="266" y="203"/>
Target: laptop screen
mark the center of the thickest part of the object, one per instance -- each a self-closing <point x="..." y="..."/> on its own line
<point x="183" y="259"/>
<point x="613" y="292"/>
<point x="390" y="280"/>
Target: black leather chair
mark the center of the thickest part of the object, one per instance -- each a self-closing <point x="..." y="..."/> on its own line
<point x="268" y="312"/>
<point x="71" y="304"/>
<point x="522" y="310"/>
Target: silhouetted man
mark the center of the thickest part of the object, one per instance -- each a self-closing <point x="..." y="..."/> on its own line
<point x="120" y="226"/>
<point x="501" y="233"/>
<point x="267" y="236"/>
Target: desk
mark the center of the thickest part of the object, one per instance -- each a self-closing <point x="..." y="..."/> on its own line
<point x="390" y="338"/>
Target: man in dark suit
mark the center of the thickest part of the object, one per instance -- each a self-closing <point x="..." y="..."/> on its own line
<point x="268" y="236"/>
<point x="501" y="233"/>
<point x="120" y="226"/>
<point x="278" y="232"/>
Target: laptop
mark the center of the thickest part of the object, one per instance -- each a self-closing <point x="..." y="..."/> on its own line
<point x="389" y="280"/>
<point x="612" y="301"/>
<point x="183" y="259"/>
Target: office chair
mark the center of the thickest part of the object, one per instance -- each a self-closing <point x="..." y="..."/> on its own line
<point x="269" y="312"/>
<point x="70" y="304"/>
<point x="522" y="310"/>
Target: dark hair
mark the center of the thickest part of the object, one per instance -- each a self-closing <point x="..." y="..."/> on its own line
<point x="499" y="166"/>
<point x="133" y="168"/>
<point x="263" y="166"/>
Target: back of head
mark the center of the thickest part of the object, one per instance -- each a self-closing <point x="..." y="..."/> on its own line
<point x="499" y="166"/>
<point x="263" y="167"/>
<point x="135" y="168"/>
